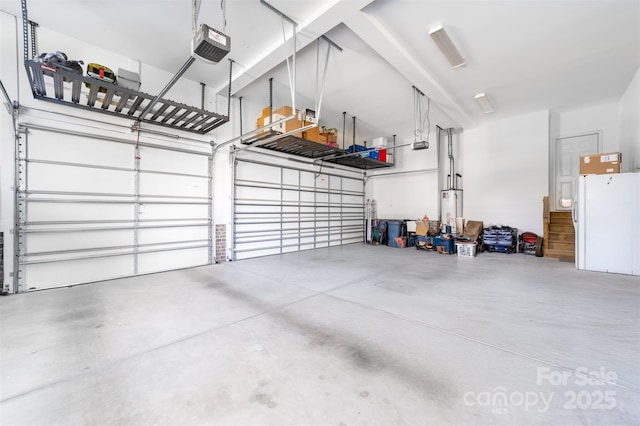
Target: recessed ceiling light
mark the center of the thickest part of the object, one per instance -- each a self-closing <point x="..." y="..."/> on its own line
<point x="484" y="103"/>
<point x="446" y="46"/>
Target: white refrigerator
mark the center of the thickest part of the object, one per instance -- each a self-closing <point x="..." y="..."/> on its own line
<point x="606" y="216"/>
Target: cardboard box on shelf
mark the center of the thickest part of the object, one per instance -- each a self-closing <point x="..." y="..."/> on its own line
<point x="600" y="164"/>
<point x="279" y="114"/>
<point x="266" y="111"/>
<point x="312" y="134"/>
<point x="329" y="137"/>
<point x="284" y="110"/>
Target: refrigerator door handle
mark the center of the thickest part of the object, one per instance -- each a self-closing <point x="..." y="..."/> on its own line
<point x="574" y="212"/>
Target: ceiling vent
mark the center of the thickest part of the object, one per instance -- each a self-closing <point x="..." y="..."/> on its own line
<point x="210" y="45"/>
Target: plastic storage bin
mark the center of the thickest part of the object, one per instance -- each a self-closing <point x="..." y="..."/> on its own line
<point x="466" y="248"/>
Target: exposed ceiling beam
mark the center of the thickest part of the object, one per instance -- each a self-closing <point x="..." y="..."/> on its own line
<point x="308" y="32"/>
<point x="388" y="47"/>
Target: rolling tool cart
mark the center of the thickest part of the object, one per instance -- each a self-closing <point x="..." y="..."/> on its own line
<point x="501" y="239"/>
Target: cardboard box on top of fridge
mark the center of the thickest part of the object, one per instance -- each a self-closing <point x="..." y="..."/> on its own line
<point x="600" y="164"/>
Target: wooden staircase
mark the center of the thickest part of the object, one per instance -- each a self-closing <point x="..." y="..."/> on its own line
<point x="559" y="234"/>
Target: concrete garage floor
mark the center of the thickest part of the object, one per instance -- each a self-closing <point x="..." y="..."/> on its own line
<point x="341" y="336"/>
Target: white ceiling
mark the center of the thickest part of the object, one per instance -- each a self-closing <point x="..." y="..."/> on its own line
<point x="526" y="55"/>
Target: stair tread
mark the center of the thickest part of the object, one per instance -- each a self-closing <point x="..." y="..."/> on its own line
<point x="562" y="246"/>
<point x="560" y="254"/>
<point x="561" y="235"/>
<point x="561" y="250"/>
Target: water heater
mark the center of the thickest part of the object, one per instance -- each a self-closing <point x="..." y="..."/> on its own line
<point x="451" y="207"/>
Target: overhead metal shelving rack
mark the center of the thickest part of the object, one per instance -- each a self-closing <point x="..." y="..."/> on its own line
<point x="116" y="100"/>
<point x="305" y="148"/>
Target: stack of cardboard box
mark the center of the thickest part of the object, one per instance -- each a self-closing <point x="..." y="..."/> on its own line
<point x="327" y="136"/>
<point x="279" y="114"/>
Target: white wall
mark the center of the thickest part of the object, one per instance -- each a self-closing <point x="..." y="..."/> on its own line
<point x="506" y="173"/>
<point x="411" y="188"/>
<point x="630" y="126"/>
<point x="604" y="117"/>
<point x="411" y="195"/>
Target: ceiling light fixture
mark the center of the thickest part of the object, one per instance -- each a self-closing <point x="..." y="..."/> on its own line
<point x="484" y="103"/>
<point x="446" y="46"/>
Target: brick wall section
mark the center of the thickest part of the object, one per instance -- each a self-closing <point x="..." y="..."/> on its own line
<point x="221" y="242"/>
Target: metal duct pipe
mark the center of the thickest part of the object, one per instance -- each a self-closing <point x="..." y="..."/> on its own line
<point x="354" y="135"/>
<point x="240" y="114"/>
<point x="452" y="181"/>
<point x="202" y="86"/>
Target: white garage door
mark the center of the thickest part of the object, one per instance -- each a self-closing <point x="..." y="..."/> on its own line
<point x="280" y="209"/>
<point x="93" y="208"/>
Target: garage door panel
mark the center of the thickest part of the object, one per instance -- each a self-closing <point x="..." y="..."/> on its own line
<point x="171" y="185"/>
<point x="51" y="212"/>
<point x="292" y="209"/>
<point x="352" y="185"/>
<point x="79" y="240"/>
<point x="153" y="211"/>
<point x="174" y="259"/>
<point x="253" y="194"/>
<point x="258" y="173"/>
<point x="56" y="274"/>
<point x="92" y="212"/>
<point x="291" y="177"/>
<point x="77" y="149"/>
<point x="170" y="235"/>
<point x="51" y="177"/>
<point x="291" y="195"/>
<point x="172" y="161"/>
